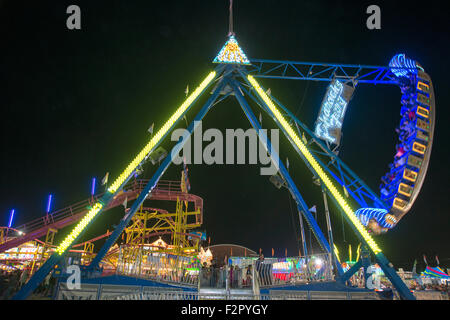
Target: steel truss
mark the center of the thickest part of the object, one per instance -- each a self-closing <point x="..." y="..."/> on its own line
<point x="235" y="76"/>
<point x="317" y="71"/>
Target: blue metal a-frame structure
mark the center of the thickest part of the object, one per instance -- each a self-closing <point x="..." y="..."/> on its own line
<point x="240" y="76"/>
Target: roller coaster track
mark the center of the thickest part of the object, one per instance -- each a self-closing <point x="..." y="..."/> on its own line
<point x="164" y="190"/>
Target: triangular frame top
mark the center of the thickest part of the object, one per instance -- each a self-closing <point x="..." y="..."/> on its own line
<point x="232" y="53"/>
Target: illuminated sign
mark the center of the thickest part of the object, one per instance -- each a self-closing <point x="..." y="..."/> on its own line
<point x="231" y="53"/>
<point x="331" y="115"/>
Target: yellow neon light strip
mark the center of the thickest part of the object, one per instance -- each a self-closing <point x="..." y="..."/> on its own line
<point x="336" y="252"/>
<point x="138" y="159"/>
<point x="79" y="227"/>
<point x="148" y="148"/>
<point x="318" y="169"/>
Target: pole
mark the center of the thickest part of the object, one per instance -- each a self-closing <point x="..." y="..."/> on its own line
<point x="230" y="26"/>
<point x="330" y="232"/>
<point x="49" y="203"/>
<point x="302" y="232"/>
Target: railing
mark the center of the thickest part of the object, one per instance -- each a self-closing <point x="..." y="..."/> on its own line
<point x="294" y="270"/>
<point x="133" y="186"/>
<point x="214" y="278"/>
<point x="284" y="295"/>
<point x="270" y="272"/>
<point x="143" y="263"/>
<point x="67" y="212"/>
<point x="164" y="190"/>
<point x="169" y="186"/>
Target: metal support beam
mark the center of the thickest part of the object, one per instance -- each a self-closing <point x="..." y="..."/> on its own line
<point x="301" y="205"/>
<point x="349" y="273"/>
<point x="39" y="276"/>
<point x="384" y="263"/>
<point x="154" y="180"/>
<point x="330" y="232"/>
<point x="341" y="172"/>
<point x="302" y="232"/>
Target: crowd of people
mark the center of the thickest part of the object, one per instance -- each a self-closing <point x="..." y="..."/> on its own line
<point x="406" y="130"/>
<point x="241" y="275"/>
<point x="12" y="281"/>
<point x="444" y="288"/>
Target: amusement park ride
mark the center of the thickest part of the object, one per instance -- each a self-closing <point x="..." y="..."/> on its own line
<point x="367" y="212"/>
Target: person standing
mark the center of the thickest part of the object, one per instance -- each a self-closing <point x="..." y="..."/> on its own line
<point x="213" y="274"/>
<point x="231" y="276"/>
<point x="23" y="277"/>
<point x="237" y="276"/>
<point x="47" y="284"/>
<point x="259" y="265"/>
<point x="248" y="280"/>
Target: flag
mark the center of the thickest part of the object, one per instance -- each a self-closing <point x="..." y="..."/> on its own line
<point x="209" y="241"/>
<point x="151" y="128"/>
<point x="313" y="209"/>
<point x="437" y="260"/>
<point x="345" y="191"/>
<point x="138" y="171"/>
<point x="305" y="141"/>
<point x="285" y="252"/>
<point x="105" y="179"/>
<point x="425" y="259"/>
<point x="272" y="252"/>
<point x="124" y="203"/>
<point x="186" y="178"/>
<point x="186" y="92"/>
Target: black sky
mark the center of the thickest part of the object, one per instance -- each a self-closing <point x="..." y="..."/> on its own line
<point x="76" y="104"/>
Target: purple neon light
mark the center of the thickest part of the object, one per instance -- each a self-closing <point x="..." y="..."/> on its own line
<point x="11" y="218"/>
<point x="49" y="203"/>
<point x="93" y="186"/>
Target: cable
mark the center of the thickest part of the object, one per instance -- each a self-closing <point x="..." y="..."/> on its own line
<point x="297" y="239"/>
<point x="343" y="229"/>
<point x="303" y="99"/>
<point x="230" y="26"/>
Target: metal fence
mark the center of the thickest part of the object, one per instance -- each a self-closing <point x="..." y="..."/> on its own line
<point x="241" y="273"/>
<point x="276" y="295"/>
<point x="294" y="270"/>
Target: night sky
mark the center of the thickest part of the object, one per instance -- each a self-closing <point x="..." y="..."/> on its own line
<point x="77" y="104"/>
